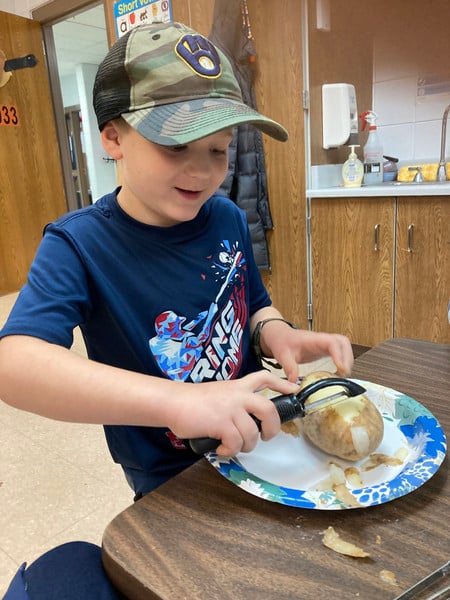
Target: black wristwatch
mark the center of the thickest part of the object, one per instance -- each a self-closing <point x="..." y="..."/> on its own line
<point x="256" y="337"/>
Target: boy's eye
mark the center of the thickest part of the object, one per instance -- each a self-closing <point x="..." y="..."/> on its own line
<point x="184" y="147"/>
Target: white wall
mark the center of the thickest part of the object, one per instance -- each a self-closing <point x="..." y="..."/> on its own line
<point x="22" y="8"/>
<point x="69" y="90"/>
<point x="102" y="173"/>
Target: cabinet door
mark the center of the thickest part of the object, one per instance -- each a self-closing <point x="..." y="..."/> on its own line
<point x="352" y="243"/>
<point x="422" y="286"/>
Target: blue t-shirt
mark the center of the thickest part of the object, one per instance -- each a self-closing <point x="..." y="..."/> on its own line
<point x="171" y="302"/>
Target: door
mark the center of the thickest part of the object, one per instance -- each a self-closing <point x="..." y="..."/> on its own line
<point x="352" y="250"/>
<point x="422" y="286"/>
<point x="31" y="183"/>
<point x="77" y="156"/>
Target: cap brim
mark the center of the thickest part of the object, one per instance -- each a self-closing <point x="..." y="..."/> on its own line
<point x="184" y="122"/>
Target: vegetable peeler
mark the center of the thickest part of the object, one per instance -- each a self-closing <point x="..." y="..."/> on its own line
<point x="291" y="406"/>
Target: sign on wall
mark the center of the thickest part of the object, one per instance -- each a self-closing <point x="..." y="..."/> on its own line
<point x="129" y="14"/>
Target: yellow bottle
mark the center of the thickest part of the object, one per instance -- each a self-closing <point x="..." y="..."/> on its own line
<point x="352" y="169"/>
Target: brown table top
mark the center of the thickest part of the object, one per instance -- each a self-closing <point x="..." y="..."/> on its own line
<point x="199" y="536"/>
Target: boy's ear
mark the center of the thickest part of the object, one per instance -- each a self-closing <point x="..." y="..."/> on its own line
<point x="111" y="140"/>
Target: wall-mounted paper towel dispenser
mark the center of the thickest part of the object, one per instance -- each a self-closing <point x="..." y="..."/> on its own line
<point x="339" y="115"/>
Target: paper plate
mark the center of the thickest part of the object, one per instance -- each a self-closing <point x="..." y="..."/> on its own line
<point x="290" y="470"/>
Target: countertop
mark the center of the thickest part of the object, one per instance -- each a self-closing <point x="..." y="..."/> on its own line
<point x="326" y="182"/>
<point x="388" y="189"/>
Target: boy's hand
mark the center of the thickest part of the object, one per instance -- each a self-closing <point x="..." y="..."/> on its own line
<point x="222" y="409"/>
<point x="291" y="347"/>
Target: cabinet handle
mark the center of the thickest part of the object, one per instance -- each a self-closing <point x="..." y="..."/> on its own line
<point x="410" y="237"/>
<point x="376" y="237"/>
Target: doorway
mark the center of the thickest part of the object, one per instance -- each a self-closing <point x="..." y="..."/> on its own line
<point x="75" y="45"/>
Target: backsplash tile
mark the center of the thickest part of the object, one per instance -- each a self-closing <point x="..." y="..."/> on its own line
<point x="427" y="140"/>
<point x="398" y="140"/>
<point x="410" y="125"/>
<point x="394" y="101"/>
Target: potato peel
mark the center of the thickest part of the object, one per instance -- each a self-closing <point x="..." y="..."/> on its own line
<point x="377" y="458"/>
<point x="388" y="577"/>
<point x="344" y="495"/>
<point x="332" y="540"/>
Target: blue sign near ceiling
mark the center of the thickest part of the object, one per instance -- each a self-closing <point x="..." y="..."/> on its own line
<point x="139" y="12"/>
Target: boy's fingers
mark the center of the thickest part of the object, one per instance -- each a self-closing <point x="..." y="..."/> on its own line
<point x="342" y="356"/>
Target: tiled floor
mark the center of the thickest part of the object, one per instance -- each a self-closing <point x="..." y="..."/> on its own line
<point x="58" y="482"/>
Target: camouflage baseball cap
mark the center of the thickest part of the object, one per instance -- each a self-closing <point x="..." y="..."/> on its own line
<point x="173" y="86"/>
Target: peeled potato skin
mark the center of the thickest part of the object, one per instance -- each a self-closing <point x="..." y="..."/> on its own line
<point x="331" y="432"/>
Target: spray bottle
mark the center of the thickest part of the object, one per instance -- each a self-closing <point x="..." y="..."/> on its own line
<point x="373" y="151"/>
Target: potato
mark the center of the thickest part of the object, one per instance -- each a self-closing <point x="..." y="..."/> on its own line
<point x="350" y="429"/>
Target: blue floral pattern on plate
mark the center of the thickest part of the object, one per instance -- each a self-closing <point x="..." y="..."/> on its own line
<point x="405" y="419"/>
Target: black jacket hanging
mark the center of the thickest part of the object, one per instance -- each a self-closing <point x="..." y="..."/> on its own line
<point x="246" y="182"/>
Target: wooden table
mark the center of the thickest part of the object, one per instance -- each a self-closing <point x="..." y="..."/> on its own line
<point x="200" y="537"/>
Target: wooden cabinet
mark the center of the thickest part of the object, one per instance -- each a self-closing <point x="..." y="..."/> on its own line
<point x="352" y="260"/>
<point x="422" y="273"/>
<point x="380" y="267"/>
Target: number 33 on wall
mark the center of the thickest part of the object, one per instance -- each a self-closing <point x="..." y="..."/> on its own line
<point x="9" y="115"/>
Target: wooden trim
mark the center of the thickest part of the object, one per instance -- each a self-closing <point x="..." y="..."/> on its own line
<point x="108" y="7"/>
<point x="60" y="120"/>
<point x="57" y="10"/>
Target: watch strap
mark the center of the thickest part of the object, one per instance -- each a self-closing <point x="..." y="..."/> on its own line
<point x="256" y="337"/>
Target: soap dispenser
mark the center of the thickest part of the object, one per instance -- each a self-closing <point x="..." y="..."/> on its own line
<point x="352" y="169"/>
<point x="339" y="115"/>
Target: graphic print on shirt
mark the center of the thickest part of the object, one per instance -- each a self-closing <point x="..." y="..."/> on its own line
<point x="208" y="346"/>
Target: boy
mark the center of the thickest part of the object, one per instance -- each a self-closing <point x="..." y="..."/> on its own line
<point x="159" y="275"/>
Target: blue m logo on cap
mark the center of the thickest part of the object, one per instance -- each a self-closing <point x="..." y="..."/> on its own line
<point x="200" y="55"/>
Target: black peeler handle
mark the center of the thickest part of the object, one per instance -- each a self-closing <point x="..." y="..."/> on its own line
<point x="289" y="406"/>
<point x="287" y="409"/>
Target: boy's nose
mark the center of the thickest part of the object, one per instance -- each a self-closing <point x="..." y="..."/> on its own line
<point x="200" y="167"/>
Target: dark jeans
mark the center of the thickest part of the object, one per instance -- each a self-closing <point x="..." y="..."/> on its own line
<point x="72" y="571"/>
